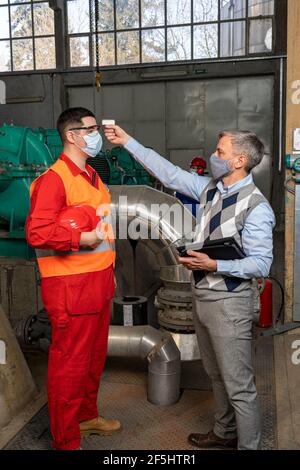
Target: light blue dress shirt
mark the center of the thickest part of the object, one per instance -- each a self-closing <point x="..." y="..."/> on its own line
<point x="257" y="235"/>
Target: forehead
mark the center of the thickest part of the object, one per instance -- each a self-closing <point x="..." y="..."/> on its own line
<point x="88" y="121"/>
<point x="224" y="142"/>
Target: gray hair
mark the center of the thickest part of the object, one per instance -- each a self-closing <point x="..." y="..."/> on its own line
<point x="248" y="144"/>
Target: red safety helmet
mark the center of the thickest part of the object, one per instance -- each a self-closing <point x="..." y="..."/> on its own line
<point x="199" y="164"/>
<point x="79" y="217"/>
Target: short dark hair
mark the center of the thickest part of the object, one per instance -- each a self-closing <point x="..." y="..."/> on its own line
<point x="73" y="117"/>
<point x="248" y="143"/>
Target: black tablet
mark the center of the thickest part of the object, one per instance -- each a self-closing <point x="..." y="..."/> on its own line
<point x="223" y="248"/>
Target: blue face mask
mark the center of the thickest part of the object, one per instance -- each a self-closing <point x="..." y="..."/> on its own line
<point x="93" y="144"/>
<point x="219" y="168"/>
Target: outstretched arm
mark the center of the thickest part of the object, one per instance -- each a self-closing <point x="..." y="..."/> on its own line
<point x="170" y="175"/>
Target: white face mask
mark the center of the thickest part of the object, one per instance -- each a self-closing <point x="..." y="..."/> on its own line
<point x="193" y="170"/>
<point x="93" y="144"/>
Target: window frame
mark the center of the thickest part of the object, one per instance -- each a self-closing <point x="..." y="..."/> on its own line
<point x="63" y="53"/>
<point x="245" y="19"/>
<point x="33" y="36"/>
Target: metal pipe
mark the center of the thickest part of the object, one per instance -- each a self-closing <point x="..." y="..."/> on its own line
<point x="159" y="214"/>
<point x="144" y="342"/>
<point x="162" y="354"/>
<point x="280" y="114"/>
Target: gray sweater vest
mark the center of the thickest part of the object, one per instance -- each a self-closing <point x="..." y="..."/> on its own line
<point x="221" y="218"/>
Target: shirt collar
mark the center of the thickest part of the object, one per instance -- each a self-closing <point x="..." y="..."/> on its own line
<point x="73" y="167"/>
<point x="234" y="187"/>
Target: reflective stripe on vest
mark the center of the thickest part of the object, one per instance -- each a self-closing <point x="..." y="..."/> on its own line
<point x="103" y="246"/>
<point x="78" y="192"/>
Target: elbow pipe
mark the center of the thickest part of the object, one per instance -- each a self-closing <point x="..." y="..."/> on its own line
<point x="161" y="353"/>
<point x="144" y="342"/>
<point x="167" y="225"/>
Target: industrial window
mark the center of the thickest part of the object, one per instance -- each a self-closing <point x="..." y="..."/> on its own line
<point x="161" y="31"/>
<point x="26" y="35"/>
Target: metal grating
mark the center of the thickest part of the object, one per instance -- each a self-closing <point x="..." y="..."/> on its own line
<point x="265" y="383"/>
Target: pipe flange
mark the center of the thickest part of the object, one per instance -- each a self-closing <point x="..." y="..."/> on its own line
<point x="175" y="323"/>
<point x="27" y="330"/>
<point x="176" y="314"/>
<point x="165" y="295"/>
<point x="168" y="305"/>
<point x="180" y="327"/>
<point x="174" y="309"/>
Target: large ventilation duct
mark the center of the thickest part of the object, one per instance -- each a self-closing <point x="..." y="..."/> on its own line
<point x="144" y="342"/>
<point x="161" y="218"/>
<point x="161" y="352"/>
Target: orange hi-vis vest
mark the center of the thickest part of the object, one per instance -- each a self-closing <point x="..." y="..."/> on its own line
<point x="79" y="192"/>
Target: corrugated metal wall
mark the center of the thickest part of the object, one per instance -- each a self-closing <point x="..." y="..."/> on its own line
<point x="181" y="119"/>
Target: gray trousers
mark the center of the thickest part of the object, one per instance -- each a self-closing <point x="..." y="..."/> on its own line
<point x="224" y="332"/>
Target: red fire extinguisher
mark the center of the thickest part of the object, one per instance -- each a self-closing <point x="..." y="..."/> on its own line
<point x="266" y="316"/>
<point x="266" y="304"/>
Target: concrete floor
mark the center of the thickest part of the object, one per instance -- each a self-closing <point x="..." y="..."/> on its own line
<point x="145" y="426"/>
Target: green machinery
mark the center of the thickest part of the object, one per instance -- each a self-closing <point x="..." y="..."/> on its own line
<point x="24" y="155"/>
<point x="123" y="169"/>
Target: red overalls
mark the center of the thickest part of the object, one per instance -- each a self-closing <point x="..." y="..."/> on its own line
<point x="77" y="288"/>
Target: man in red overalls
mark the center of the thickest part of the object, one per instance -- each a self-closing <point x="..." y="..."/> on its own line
<point x="78" y="284"/>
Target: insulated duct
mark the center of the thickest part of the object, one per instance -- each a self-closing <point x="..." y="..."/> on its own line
<point x="144" y="342"/>
<point x="161" y="352"/>
<point x="165" y="220"/>
<point x="162" y="219"/>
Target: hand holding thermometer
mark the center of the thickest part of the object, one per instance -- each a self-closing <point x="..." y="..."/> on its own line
<point x="108" y="122"/>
